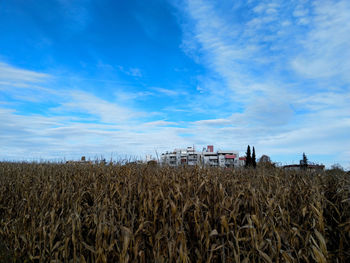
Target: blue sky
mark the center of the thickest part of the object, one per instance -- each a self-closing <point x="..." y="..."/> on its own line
<point x="129" y="78"/>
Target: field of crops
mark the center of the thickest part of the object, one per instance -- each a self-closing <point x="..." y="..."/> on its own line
<point x="140" y="213"/>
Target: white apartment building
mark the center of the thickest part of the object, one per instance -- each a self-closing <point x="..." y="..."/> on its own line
<point x="207" y="157"/>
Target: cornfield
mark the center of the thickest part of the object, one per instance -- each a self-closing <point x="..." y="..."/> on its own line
<point x="140" y="213"/>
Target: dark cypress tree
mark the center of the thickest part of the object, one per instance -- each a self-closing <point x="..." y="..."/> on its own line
<point x="253" y="158"/>
<point x="248" y="161"/>
<point x="303" y="162"/>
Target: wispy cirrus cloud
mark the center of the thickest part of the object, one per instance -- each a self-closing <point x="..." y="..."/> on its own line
<point x="325" y="52"/>
<point x="135" y="72"/>
<point x="76" y="13"/>
<point x="169" y="92"/>
<point x="256" y="42"/>
<point x="24" y="85"/>
<point x="10" y="75"/>
<point x="87" y="103"/>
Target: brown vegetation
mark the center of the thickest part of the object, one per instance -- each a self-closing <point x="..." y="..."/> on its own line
<point x="144" y="213"/>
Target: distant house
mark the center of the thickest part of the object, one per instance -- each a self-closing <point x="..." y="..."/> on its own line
<point x="310" y="167"/>
<point x="305" y="164"/>
<point x="82" y="161"/>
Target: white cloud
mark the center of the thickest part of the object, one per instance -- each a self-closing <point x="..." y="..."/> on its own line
<point x="87" y="103"/>
<point x="76" y="13"/>
<point x="159" y="123"/>
<point x="135" y="72"/>
<point x="213" y="122"/>
<point x="25" y="85"/>
<point x="10" y="75"/>
<point x="126" y="95"/>
<point x="169" y="92"/>
<point x="326" y="51"/>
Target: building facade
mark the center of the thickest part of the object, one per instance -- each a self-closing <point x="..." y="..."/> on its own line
<point x="206" y="157"/>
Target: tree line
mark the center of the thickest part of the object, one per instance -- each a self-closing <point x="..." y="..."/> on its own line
<point x="251" y="159"/>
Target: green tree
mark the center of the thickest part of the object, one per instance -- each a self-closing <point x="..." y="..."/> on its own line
<point x="337" y="167"/>
<point x="264" y="159"/>
<point x="253" y="158"/>
<point x="248" y="161"/>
